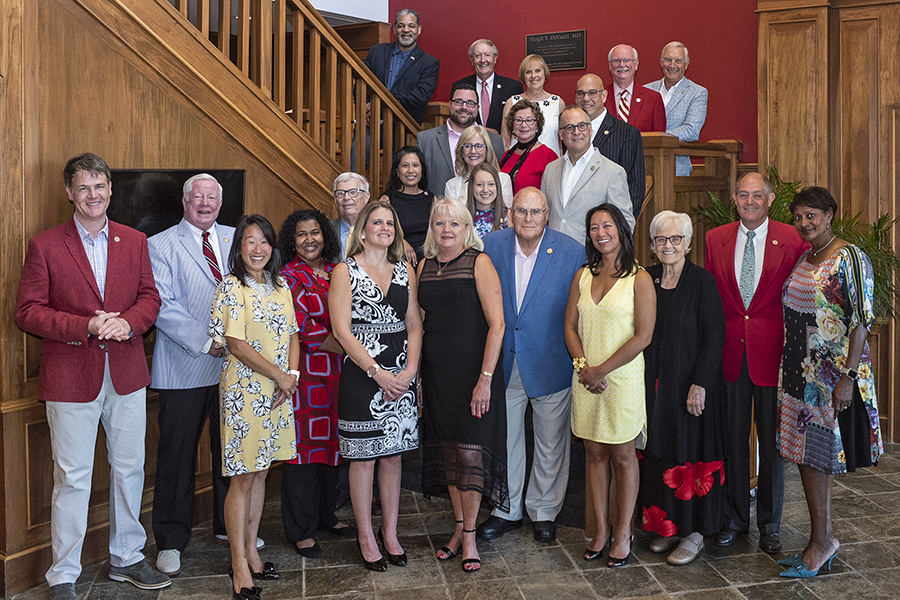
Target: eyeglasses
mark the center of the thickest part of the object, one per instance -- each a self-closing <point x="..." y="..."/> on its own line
<point x="579" y="126"/>
<point x="471" y="146"/>
<point x="675" y="240"/>
<point x="534" y="212"/>
<point x="621" y="61"/>
<point x="589" y="93"/>
<point x="459" y="102"/>
<point x="525" y="121"/>
<point x="352" y="192"/>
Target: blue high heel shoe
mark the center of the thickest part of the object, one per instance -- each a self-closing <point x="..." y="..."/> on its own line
<point x="790" y="561"/>
<point x="800" y="570"/>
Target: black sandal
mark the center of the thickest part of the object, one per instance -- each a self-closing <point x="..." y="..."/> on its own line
<point x="470" y="561"/>
<point x="448" y="553"/>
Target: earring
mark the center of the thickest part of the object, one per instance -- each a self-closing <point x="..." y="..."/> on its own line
<point x="828" y="226"/>
<point x="363" y="236"/>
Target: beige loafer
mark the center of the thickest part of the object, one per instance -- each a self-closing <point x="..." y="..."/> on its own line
<point x="687" y="550"/>
<point x="661" y="544"/>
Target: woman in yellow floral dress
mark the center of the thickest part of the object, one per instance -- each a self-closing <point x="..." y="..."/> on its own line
<point x="826" y="396"/>
<point x="253" y="315"/>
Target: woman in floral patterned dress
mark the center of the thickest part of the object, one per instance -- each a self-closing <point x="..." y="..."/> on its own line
<point x="827" y="408"/>
<point x="253" y="316"/>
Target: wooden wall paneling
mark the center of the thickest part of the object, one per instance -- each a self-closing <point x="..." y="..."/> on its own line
<point x="893" y="197"/>
<point x="793" y="99"/>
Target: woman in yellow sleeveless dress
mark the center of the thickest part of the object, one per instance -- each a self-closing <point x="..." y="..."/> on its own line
<point x="609" y="321"/>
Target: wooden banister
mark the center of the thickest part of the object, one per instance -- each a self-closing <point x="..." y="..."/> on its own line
<point x="299" y="62"/>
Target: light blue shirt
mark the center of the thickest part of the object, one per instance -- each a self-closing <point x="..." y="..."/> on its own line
<point x="97" y="250"/>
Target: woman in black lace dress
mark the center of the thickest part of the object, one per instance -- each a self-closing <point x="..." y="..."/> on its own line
<point x="464" y="420"/>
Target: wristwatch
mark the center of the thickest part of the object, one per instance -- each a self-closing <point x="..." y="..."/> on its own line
<point x="852" y="374"/>
<point x="371" y="371"/>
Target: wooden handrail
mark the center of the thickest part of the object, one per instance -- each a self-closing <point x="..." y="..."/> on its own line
<point x="307" y="70"/>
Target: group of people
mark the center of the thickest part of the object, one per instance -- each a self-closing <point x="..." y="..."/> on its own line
<point x="491" y="274"/>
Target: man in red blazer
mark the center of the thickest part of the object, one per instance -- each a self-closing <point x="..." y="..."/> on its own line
<point x="642" y="107"/>
<point x="87" y="290"/>
<point x="751" y="259"/>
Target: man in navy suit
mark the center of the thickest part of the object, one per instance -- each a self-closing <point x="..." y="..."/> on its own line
<point x="408" y="72"/>
<point x="685" y="100"/>
<point x="617" y="140"/>
<point x="536" y="266"/>
<point x="493" y="90"/>
<point x="188" y="262"/>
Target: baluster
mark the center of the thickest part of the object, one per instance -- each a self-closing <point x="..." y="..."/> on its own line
<point x="375" y="148"/>
<point x="387" y="158"/>
<point x="314" y="82"/>
<point x="224" y="41"/>
<point x="280" y="59"/>
<point x="329" y="135"/>
<point x="203" y="17"/>
<point x="243" y="58"/>
<point x="345" y="95"/>
<point x="261" y="39"/>
<point x="298" y="23"/>
<point x="360" y="130"/>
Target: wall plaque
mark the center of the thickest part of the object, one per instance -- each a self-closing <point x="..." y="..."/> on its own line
<point x="562" y="50"/>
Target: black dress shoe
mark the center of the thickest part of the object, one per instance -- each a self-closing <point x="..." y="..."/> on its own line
<point x="727" y="537"/>
<point x="495" y="526"/>
<point x="347" y="531"/>
<point x="379" y="565"/>
<point x="544" y="531"/>
<point x="769" y="543"/>
<point x="314" y="551"/>
<point x="396" y="559"/>
<point x="268" y="572"/>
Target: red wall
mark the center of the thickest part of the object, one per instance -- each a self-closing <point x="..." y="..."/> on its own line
<point x="721" y="36"/>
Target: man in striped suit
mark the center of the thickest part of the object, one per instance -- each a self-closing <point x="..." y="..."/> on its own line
<point x="189" y="260"/>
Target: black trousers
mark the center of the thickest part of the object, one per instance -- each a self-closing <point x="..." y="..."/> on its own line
<point x="745" y="398"/>
<point x="181" y="417"/>
<point x="307" y="499"/>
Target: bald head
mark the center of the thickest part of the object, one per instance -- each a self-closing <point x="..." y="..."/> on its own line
<point x="590" y="95"/>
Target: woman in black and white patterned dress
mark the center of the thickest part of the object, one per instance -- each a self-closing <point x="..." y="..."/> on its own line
<point x="375" y="317"/>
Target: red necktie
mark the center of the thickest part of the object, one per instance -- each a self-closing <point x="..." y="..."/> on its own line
<point x="622" y="108"/>
<point x="485" y="103"/>
<point x="211" y="258"/>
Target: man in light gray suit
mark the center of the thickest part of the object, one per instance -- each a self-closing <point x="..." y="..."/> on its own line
<point x="582" y="178"/>
<point x="188" y="261"/>
<point x="351" y="192"/>
<point x="685" y="100"/>
<point x="438" y="144"/>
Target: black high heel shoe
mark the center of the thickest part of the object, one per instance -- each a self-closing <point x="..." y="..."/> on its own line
<point x="376" y="565"/>
<point x="250" y="593"/>
<point x="448" y="553"/>
<point x="268" y="572"/>
<point x="396" y="559"/>
<point x="595" y="554"/>
<point x="614" y="563"/>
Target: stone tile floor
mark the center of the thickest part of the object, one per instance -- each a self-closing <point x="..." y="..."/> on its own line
<point x="867" y="522"/>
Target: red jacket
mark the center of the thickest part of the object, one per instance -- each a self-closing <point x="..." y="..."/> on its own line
<point x="646" y="110"/>
<point x="57" y="298"/>
<point x="760" y="328"/>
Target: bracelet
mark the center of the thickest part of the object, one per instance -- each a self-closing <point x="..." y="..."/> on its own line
<point x="579" y="363"/>
<point x="295" y="373"/>
<point x="487" y="373"/>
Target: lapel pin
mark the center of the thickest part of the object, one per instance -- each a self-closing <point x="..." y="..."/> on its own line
<point x="638" y="99"/>
<point x="499" y="86"/>
<point x="226" y="240"/>
<point x="116" y="238"/>
<point x="774" y="242"/>
<point x="656" y="280"/>
<point x="592" y="167"/>
<point x="549" y="250"/>
<point x="606" y="132"/>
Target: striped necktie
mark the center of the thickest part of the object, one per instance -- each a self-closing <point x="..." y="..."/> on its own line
<point x="211" y="258"/>
<point x="622" y="108"/>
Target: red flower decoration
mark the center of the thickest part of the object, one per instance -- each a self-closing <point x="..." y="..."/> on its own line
<point x="655" y="520"/>
<point x="832" y="290"/>
<point x="691" y="479"/>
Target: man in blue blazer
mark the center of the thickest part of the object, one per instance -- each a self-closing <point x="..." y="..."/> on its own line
<point x="408" y="72"/>
<point x="685" y="100"/>
<point x="186" y="365"/>
<point x="536" y="266"/>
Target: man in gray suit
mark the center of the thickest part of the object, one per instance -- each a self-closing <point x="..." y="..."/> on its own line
<point x="188" y="262"/>
<point x="438" y="144"/>
<point x="685" y="100"/>
<point x="582" y="178"/>
<point x="351" y="192"/>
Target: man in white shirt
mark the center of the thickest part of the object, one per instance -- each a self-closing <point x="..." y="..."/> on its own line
<point x="582" y="178"/>
<point x="493" y="90"/>
<point x="536" y="266"/>
<point x="685" y="101"/>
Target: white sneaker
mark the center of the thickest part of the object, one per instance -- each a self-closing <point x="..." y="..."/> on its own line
<point x="223" y="539"/>
<point x="168" y="562"/>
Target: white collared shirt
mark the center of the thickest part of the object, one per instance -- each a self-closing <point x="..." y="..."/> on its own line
<point x="524" y="269"/>
<point x="618" y="93"/>
<point x="668" y="94"/>
<point x="572" y="173"/>
<point x="759" y="247"/>
<point x="595" y="124"/>
<point x="213" y="241"/>
<point x="490" y="89"/>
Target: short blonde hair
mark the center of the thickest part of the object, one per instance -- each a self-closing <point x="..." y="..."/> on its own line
<point x="457" y="211"/>
<point x="462" y="167"/>
<point x="530" y="60"/>
<point x="682" y="221"/>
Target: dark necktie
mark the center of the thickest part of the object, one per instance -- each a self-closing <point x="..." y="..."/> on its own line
<point x="211" y="258"/>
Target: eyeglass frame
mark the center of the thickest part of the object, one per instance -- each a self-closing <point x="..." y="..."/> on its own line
<point x="534" y="212"/>
<point x="352" y="192"/>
